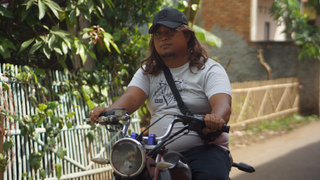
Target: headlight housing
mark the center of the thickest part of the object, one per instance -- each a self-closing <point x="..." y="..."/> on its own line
<point x="127" y="157"/>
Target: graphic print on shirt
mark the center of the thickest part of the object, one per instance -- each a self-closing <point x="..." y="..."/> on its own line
<point x="163" y="93"/>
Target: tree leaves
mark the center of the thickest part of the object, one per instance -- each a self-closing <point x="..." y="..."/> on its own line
<point x="5" y="46"/>
<point x="8" y="144"/>
<point x="53" y="6"/>
<point x="35" y="159"/>
<point x="55" y="119"/>
<point x="5" y="12"/>
<point x="59" y="171"/>
<point x="91" y="136"/>
<point x="120" y="34"/>
<point x="36" y="46"/>
<point x="29" y="3"/>
<point x="42" y="107"/>
<point x="206" y="36"/>
<point x="52" y="104"/>
<point x="3" y="161"/>
<point x="42" y="9"/>
<point x="61" y="152"/>
<point x="56" y="40"/>
<point x="49" y="113"/>
<point x="303" y="34"/>
<point x="107" y="39"/>
<point x="39" y="71"/>
<point x="25" y="44"/>
<point x="42" y="173"/>
<point x="5" y="86"/>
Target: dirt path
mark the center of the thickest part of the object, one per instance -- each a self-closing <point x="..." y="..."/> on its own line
<point x="294" y="155"/>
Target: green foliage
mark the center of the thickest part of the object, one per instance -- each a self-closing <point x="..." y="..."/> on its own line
<point x="207" y="37"/>
<point x="35" y="158"/>
<point x="190" y="9"/>
<point x="40" y="31"/>
<point x="5" y="46"/>
<point x="59" y="171"/>
<point x="315" y="4"/>
<point x="91" y="136"/>
<point x="5" y="86"/>
<point x="287" y="123"/>
<point x="42" y="173"/>
<point x="297" y="28"/>
<point x="40" y="26"/>
<point x="61" y="152"/>
<point x="46" y="114"/>
<point x="4" y="161"/>
<point x="269" y="128"/>
<point x="8" y="144"/>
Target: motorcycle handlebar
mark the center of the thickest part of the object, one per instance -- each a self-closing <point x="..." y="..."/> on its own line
<point x="195" y="122"/>
<point x="111" y="116"/>
<point x="107" y="113"/>
<point x="225" y="128"/>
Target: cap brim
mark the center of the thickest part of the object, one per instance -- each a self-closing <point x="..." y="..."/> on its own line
<point x="168" y="24"/>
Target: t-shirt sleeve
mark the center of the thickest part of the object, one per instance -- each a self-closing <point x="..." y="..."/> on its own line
<point x="141" y="81"/>
<point x="217" y="81"/>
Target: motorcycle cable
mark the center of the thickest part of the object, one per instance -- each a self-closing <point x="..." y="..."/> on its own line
<point x="139" y="137"/>
<point x="177" y="138"/>
<point x="160" y="145"/>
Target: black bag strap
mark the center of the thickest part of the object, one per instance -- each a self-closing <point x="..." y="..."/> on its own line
<point x="183" y="108"/>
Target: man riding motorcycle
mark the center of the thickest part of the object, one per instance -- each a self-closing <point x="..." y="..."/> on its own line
<point x="202" y="83"/>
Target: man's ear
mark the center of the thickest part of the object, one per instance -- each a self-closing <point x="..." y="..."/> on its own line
<point x="188" y="36"/>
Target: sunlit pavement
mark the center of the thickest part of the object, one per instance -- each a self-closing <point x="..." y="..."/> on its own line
<point x="294" y="156"/>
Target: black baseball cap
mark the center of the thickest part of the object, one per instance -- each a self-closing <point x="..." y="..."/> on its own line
<point x="170" y="17"/>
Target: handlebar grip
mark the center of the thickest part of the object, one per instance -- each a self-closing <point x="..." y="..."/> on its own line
<point x="88" y="120"/>
<point x="197" y="125"/>
<point x="225" y="128"/>
<point x="107" y="113"/>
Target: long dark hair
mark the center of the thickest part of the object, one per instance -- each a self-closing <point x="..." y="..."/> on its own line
<point x="197" y="54"/>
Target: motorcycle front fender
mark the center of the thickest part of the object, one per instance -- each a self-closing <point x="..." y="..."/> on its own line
<point x="180" y="170"/>
<point x="164" y="174"/>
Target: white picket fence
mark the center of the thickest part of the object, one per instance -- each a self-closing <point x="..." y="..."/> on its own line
<point x="252" y="102"/>
<point x="77" y="163"/>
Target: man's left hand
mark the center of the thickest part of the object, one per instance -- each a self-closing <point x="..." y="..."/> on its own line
<point x="213" y="123"/>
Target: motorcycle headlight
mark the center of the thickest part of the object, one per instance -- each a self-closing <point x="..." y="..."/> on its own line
<point x="127" y="157"/>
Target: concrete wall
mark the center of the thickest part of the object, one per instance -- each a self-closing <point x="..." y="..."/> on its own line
<point x="281" y="56"/>
<point x="308" y="73"/>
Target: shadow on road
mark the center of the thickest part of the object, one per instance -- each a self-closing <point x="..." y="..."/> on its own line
<point x="300" y="164"/>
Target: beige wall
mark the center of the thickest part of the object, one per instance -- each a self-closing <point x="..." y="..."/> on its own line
<point x="263" y="16"/>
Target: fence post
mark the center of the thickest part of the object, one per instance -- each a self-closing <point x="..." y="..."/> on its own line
<point x="2" y="116"/>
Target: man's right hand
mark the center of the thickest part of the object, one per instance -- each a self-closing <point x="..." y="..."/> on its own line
<point x="95" y="112"/>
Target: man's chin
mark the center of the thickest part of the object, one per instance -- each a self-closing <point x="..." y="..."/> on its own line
<point x="167" y="55"/>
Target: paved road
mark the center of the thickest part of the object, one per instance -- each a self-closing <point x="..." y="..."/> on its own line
<point x="293" y="156"/>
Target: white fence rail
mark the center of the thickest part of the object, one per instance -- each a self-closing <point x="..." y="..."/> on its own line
<point x="77" y="163"/>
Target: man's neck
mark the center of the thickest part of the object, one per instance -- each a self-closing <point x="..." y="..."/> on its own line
<point x="175" y="62"/>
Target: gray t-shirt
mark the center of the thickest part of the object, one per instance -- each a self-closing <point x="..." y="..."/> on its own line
<point x="195" y="88"/>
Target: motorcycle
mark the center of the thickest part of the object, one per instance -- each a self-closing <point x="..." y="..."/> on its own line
<point x="146" y="157"/>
